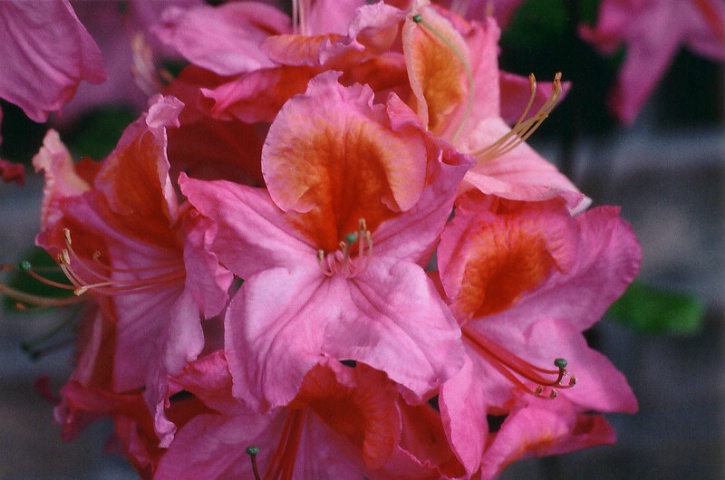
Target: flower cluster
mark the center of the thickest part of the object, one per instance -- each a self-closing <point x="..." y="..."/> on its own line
<point x="325" y="252"/>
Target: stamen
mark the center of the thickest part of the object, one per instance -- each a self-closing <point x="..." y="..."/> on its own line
<point x="253" y="452"/>
<point x="37" y="353"/>
<point x="283" y="461"/>
<point x="41" y="345"/>
<point x="524" y="127"/>
<point x="545" y="381"/>
<point x="340" y="261"/>
<point x="418" y="18"/>
<point x="24" y="299"/>
<point x="97" y="276"/>
<point x="300" y="12"/>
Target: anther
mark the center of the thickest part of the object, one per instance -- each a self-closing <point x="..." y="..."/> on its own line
<point x="341" y="260"/>
<point x="253" y="451"/>
<point x="524" y="127"/>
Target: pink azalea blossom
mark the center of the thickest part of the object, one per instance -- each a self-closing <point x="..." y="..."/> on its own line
<point x="653" y="31"/>
<point x="344" y="422"/>
<point x="47" y="52"/>
<point x="525" y="280"/>
<point x="458" y="96"/>
<point x="155" y="282"/>
<point x="357" y="194"/>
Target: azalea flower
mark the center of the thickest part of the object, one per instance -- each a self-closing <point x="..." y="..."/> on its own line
<point x="357" y="195"/>
<point x="457" y="95"/>
<point x="524" y="280"/>
<point x="47" y="52"/>
<point x="345" y="421"/>
<point x="92" y="213"/>
<point x="653" y="32"/>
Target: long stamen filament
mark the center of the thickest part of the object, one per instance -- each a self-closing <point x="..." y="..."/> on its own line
<point x="283" y="461"/>
<point x="97" y="276"/>
<point x="546" y="381"/>
<point x="523" y="128"/>
<point x="24" y="299"/>
<point x="418" y="18"/>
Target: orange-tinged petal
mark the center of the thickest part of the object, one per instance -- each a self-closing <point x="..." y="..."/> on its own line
<point x="295" y="49"/>
<point x="360" y="407"/>
<point x="437" y="75"/>
<point x="333" y="158"/>
<point x="498" y="255"/>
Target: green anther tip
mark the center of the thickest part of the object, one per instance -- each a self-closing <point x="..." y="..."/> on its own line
<point x="252" y="450"/>
<point x="418" y="18"/>
<point x="351" y="238"/>
<point x="25" y="265"/>
<point x="561" y="363"/>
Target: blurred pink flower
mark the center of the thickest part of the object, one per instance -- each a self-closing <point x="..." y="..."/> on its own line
<point x="653" y="31"/>
<point x="47" y="53"/>
<point x="131" y="53"/>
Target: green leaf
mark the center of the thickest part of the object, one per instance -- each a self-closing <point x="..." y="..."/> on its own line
<point x="650" y="310"/>
<point x="98" y="132"/>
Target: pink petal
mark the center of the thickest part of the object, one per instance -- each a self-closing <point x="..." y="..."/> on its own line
<point x="223" y="39"/>
<point x="389" y="317"/>
<point x="253" y="234"/>
<point x="520" y="174"/>
<point x="47" y="53"/>
<point x="538" y="431"/>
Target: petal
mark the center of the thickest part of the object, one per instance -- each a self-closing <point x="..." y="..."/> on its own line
<point x="332" y="157"/>
<point x="253" y="234"/>
<point x="437" y="59"/>
<point x="608" y="259"/>
<point x="255" y="96"/>
<point x="520" y="174"/>
<point x="541" y="431"/>
<point x="12" y="172"/>
<point x="390" y="318"/>
<point x="46" y="53"/>
<point x="491" y="254"/>
<point x="463" y="411"/>
<point x="224" y="39"/>
<point x="61" y="177"/>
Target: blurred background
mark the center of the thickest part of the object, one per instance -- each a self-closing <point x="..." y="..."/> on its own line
<point x="666" y="172"/>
